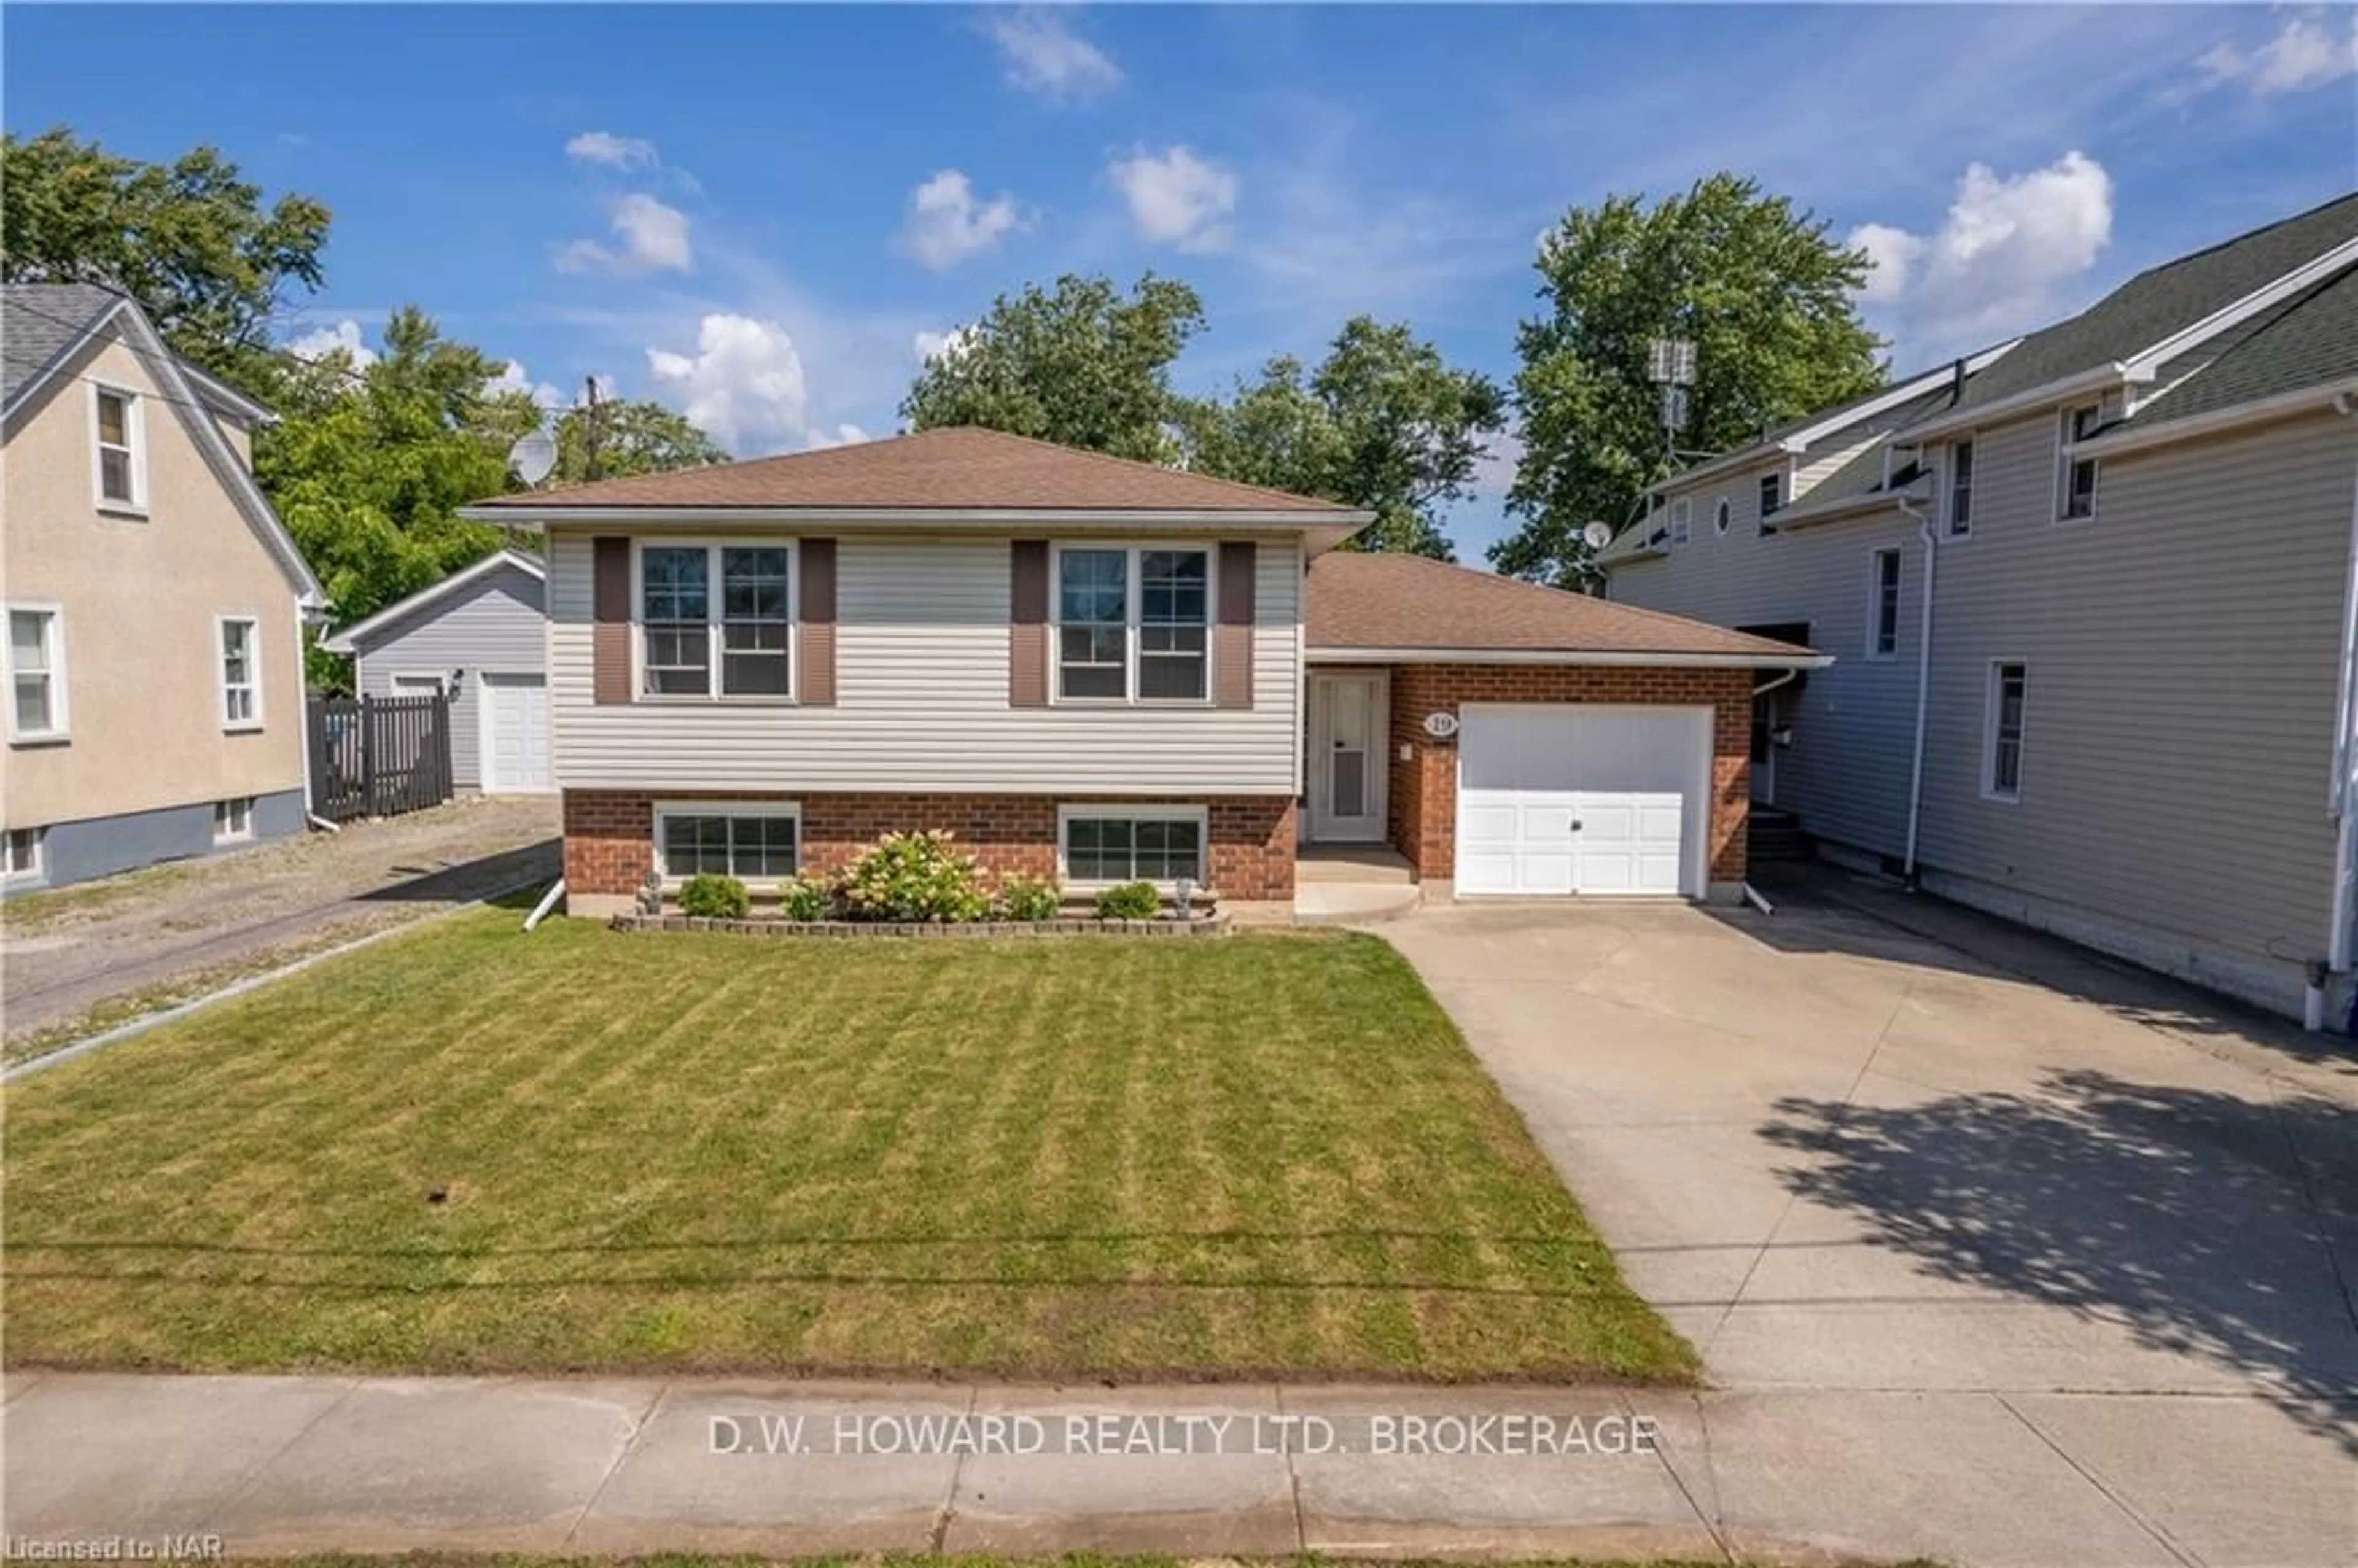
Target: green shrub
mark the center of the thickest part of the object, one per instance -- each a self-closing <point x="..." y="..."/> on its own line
<point x="804" y="898"/>
<point x="1029" y="898"/>
<point x="1131" y="901"/>
<point x="715" y="897"/>
<point x="915" y="876"/>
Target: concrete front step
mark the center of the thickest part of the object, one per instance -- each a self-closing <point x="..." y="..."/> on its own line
<point x="1350" y="904"/>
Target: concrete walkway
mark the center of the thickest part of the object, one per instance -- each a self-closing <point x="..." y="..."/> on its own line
<point x="274" y="1465"/>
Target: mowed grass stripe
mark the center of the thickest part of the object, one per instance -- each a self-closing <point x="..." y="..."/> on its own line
<point x="470" y="1149"/>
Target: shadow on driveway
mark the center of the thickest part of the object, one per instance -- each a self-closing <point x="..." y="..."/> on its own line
<point x="2206" y="1224"/>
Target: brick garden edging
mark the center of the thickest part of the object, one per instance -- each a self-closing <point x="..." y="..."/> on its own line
<point x="1211" y="926"/>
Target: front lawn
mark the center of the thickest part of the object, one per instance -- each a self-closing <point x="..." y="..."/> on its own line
<point x="470" y="1149"/>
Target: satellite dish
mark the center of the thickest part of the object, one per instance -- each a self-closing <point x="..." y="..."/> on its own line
<point x="1597" y="535"/>
<point x="533" y="456"/>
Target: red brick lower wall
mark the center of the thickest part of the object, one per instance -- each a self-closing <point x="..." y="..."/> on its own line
<point x="1424" y="785"/>
<point x="609" y="834"/>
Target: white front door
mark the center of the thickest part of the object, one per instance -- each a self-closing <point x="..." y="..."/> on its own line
<point x="1567" y="798"/>
<point x="1348" y="710"/>
<point x="515" y="734"/>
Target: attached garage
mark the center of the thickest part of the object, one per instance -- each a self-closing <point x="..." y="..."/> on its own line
<point x="1537" y="743"/>
<point x="1582" y="798"/>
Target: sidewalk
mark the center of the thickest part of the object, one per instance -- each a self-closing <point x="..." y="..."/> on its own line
<point x="275" y="1465"/>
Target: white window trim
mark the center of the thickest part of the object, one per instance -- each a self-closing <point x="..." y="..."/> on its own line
<point x="662" y="808"/>
<point x="2065" y="463"/>
<point x="1783" y="481"/>
<point x="1990" y="707"/>
<point x="712" y="545"/>
<point x="134" y="430"/>
<point x="221" y="623"/>
<point x="1134" y="590"/>
<point x="1723" y="514"/>
<point x="1949" y="529"/>
<point x="60" y="721"/>
<point x="1681" y="523"/>
<point x="39" y="871"/>
<point x="1875" y="603"/>
<point x="235" y="835"/>
<point x="1141" y="811"/>
<point x="394" y="679"/>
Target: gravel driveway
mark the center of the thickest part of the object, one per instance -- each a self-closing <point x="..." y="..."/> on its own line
<point x="148" y="937"/>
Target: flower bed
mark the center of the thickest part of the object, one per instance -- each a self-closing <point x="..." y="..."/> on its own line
<point x="1080" y="925"/>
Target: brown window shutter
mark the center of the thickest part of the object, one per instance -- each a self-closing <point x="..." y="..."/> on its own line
<point x="610" y="615"/>
<point x="817" y="682"/>
<point x="1232" y="640"/>
<point x="1027" y="631"/>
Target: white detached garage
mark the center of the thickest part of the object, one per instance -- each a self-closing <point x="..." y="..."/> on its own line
<point x="480" y="635"/>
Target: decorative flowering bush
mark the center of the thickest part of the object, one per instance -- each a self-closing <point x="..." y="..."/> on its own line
<point x="715" y="897"/>
<point x="1029" y="898"/>
<point x="1131" y="901"/>
<point x="915" y="876"/>
<point x="804" y="898"/>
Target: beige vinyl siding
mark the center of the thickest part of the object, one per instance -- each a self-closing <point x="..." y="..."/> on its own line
<point x="921" y="684"/>
<point x="1853" y="722"/>
<point x="2182" y="651"/>
<point x="1824" y="460"/>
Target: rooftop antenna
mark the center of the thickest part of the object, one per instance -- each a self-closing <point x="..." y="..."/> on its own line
<point x="533" y="458"/>
<point x="1671" y="366"/>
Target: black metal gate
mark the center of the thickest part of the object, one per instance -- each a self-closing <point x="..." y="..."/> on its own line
<point x="379" y="756"/>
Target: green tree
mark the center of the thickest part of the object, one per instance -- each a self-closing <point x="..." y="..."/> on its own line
<point x="1384" y="423"/>
<point x="1081" y="364"/>
<point x="632" y="437"/>
<point x="369" y="466"/>
<point x="1766" y="294"/>
<point x="189" y="240"/>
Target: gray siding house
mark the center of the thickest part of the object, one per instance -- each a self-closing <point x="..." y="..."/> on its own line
<point x="2091" y="597"/>
<point x="481" y="635"/>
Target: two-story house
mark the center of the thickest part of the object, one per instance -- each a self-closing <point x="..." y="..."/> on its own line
<point x="155" y="602"/>
<point x="1104" y="671"/>
<point x="2089" y="595"/>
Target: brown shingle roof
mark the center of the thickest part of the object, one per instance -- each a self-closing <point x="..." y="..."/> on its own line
<point x="957" y="467"/>
<point x="1406" y="602"/>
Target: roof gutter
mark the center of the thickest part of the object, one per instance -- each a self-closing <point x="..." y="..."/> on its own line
<point x="2134" y="436"/>
<point x="1834" y="511"/>
<point x="908" y="516"/>
<point x="2098" y="378"/>
<point x="1799" y="659"/>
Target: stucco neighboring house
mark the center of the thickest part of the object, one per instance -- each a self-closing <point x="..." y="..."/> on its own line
<point x="479" y="635"/>
<point x="2127" y="541"/>
<point x="155" y="602"/>
<point x="1104" y="671"/>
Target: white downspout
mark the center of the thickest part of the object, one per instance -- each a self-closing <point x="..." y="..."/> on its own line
<point x="2343" y="796"/>
<point x="1923" y="682"/>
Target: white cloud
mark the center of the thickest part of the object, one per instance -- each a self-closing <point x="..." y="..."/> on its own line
<point x="615" y="152"/>
<point x="845" y="435"/>
<point x="1177" y="198"/>
<point x="743" y="386"/>
<point x="946" y="224"/>
<point x="931" y="346"/>
<point x="1494" y="470"/>
<point x="512" y="377"/>
<point x="344" y="336"/>
<point x="2311" y="51"/>
<point x="1042" y="54"/>
<point x="2008" y="245"/>
<point x="654" y="239"/>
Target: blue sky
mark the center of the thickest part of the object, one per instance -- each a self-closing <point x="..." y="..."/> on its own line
<point x="763" y="215"/>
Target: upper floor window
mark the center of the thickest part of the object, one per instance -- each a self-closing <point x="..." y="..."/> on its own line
<point x="1960" y="488"/>
<point x="36" y="672"/>
<point x="1772" y="495"/>
<point x="121" y="463"/>
<point x="1682" y="522"/>
<point x="241" y="673"/>
<point x="2076" y="476"/>
<point x="1883" y="606"/>
<point x="2010" y="692"/>
<point x="716" y="621"/>
<point x="1133" y="624"/>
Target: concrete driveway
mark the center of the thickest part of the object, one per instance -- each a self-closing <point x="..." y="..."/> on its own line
<point x="1921" y="1188"/>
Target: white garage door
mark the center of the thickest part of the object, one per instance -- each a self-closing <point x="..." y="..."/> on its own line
<point x="515" y="734"/>
<point x="1567" y="799"/>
